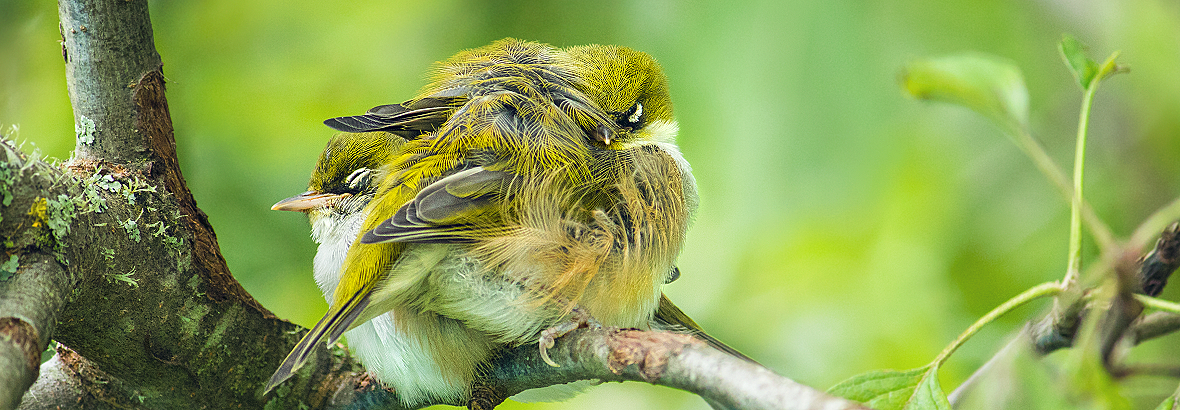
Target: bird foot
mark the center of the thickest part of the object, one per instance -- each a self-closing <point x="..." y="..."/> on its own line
<point x="577" y="320"/>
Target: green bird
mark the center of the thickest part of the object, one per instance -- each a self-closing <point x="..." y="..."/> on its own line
<point x="343" y="182"/>
<point x="539" y="188"/>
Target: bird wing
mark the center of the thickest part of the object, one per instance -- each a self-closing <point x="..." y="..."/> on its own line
<point x="415" y="116"/>
<point x="448" y="211"/>
<point x="670" y="317"/>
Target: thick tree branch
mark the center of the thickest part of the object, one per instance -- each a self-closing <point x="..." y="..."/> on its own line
<point x="662" y="358"/>
<point x="615" y="355"/>
<point x="29" y="302"/>
<point x="110" y="258"/>
<point x="108" y="47"/>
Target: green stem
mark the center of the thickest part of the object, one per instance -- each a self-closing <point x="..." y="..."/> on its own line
<point x="1158" y="304"/>
<point x="1075" y="210"/>
<point x="1098" y="229"/>
<point x="1044" y="289"/>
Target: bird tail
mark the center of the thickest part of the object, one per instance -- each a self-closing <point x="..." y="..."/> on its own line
<point x="670" y="317"/>
<point x="328" y="329"/>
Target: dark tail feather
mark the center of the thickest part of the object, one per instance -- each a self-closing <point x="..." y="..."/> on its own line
<point x="672" y="318"/>
<point x="328" y="329"/>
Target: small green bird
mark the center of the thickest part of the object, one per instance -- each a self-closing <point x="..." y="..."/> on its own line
<point x="538" y="187"/>
<point x="344" y="180"/>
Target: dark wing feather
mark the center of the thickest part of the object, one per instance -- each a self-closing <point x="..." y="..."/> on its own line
<point x="670" y="317"/>
<point x="444" y="211"/>
<point x="409" y="118"/>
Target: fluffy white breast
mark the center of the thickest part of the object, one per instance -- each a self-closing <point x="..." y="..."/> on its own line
<point x="335" y="234"/>
<point x="395" y="359"/>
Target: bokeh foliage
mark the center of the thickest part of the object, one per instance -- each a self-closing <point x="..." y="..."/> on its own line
<point x="843" y="227"/>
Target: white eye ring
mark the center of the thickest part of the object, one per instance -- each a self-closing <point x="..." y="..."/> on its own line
<point x="634" y="118"/>
<point x="358" y="178"/>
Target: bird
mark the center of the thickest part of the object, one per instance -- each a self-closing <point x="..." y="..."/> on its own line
<point x="342" y="183"/>
<point x="537" y="190"/>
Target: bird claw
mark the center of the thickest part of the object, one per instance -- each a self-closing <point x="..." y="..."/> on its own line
<point x="578" y="319"/>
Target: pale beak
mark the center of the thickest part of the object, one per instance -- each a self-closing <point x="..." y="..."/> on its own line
<point x="307" y="201"/>
<point x="604" y="134"/>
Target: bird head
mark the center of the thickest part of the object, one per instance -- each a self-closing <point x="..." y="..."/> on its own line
<point x="346" y="176"/>
<point x="630" y="87"/>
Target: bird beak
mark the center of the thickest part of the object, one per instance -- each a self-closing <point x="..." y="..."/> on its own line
<point x="604" y="134"/>
<point x="306" y="201"/>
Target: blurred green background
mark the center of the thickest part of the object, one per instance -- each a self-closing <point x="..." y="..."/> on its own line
<point x="843" y="227"/>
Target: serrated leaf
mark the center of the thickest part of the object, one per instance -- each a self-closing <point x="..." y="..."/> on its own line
<point x="915" y="389"/>
<point x="990" y="85"/>
<point x="1074" y="53"/>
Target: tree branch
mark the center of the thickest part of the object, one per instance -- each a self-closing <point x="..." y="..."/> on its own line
<point x="617" y="355"/>
<point x="29" y="302"/>
<point x="108" y="47"/>
<point x="667" y="359"/>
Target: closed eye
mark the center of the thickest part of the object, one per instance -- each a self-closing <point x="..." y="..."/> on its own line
<point x="359" y="179"/>
<point x="632" y="118"/>
<point x="636" y="114"/>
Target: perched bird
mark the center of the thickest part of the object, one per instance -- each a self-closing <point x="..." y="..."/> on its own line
<point x="342" y="183"/>
<point x="539" y="188"/>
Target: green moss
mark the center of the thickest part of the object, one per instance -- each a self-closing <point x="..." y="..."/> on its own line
<point x="214" y="338"/>
<point x="106" y="182"/>
<point x="84" y="130"/>
<point x="109" y="255"/>
<point x="62" y="212"/>
<point x="125" y="277"/>
<point x="191" y="317"/>
<point x="134" y="186"/>
<point x="8" y="175"/>
<point x="7" y="269"/>
<point x="132" y="227"/>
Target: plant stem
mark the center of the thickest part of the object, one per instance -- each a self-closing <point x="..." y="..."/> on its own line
<point x="1075" y="210"/>
<point x="1158" y="304"/>
<point x="1044" y="289"/>
<point x="1098" y="229"/>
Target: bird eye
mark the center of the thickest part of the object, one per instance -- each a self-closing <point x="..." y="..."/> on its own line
<point x="636" y="114"/>
<point x="358" y="179"/>
<point x="631" y="118"/>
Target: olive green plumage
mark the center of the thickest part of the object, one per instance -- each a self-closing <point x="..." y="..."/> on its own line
<point x="535" y="180"/>
<point x="347" y="153"/>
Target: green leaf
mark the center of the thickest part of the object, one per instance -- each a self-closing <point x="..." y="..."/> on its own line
<point x="1083" y="68"/>
<point x="915" y="389"/>
<point x="990" y="85"/>
<point x="1110" y="67"/>
<point x="1087" y="71"/>
<point x="1168" y="404"/>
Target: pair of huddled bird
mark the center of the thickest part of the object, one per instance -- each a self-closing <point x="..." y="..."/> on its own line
<point x="525" y="191"/>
